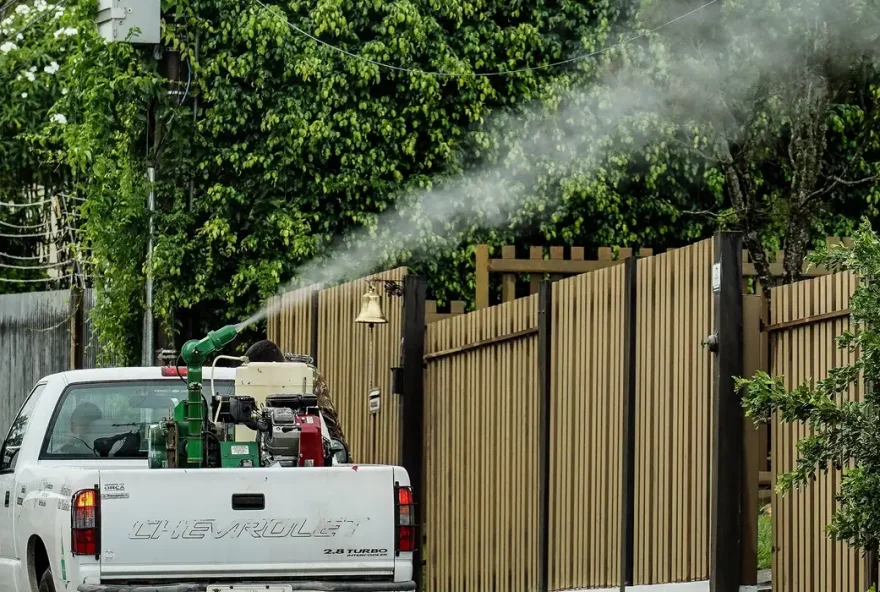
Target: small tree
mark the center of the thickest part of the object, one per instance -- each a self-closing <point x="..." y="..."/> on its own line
<point x="846" y="434"/>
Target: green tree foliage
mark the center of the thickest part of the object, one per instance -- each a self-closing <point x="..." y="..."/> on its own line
<point x="845" y="434"/>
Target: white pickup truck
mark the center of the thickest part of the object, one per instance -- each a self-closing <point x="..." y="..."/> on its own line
<point x="83" y="515"/>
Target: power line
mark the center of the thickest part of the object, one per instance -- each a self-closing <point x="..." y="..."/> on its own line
<point x="34" y="281"/>
<point x="70" y="196"/>
<point x="25" y="205"/>
<point x="480" y="74"/>
<point x="35" y="267"/>
<point x="34" y="21"/>
<point x="23" y="258"/>
<point x="22" y="226"/>
<point x="45" y="235"/>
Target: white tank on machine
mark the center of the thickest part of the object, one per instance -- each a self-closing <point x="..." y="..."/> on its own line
<point x="261" y="379"/>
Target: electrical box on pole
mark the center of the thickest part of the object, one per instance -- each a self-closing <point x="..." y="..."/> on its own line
<point x="130" y="21"/>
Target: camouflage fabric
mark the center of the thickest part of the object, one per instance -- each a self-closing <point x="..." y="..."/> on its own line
<point x="325" y="403"/>
<point x="328" y="410"/>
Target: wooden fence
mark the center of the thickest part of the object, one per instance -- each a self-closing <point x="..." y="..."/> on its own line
<point x="343" y="354"/>
<point x="673" y="416"/>
<point x="806" y="317"/>
<point x="521" y="276"/>
<point x="481" y="502"/>
<point x="290" y="320"/>
<point x="573" y="439"/>
<point x="543" y="263"/>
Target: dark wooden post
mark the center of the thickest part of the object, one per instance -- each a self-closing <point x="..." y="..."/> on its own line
<point x="871" y="556"/>
<point x="413" y="401"/>
<point x="77" y="328"/>
<point x="628" y="490"/>
<point x="314" y="340"/>
<point x="871" y="570"/>
<point x="727" y="420"/>
<point x="545" y="327"/>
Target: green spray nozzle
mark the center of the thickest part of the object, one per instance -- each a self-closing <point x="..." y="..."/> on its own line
<point x="195" y="352"/>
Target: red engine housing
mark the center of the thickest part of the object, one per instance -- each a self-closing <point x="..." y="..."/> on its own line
<point x="311" y="442"/>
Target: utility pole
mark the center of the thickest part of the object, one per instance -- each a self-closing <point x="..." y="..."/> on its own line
<point x="170" y="69"/>
<point x="147" y="349"/>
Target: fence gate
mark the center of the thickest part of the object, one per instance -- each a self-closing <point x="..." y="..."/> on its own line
<point x="481" y="502"/>
<point x="806" y="317"/>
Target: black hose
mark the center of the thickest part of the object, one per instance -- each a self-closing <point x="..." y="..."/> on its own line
<point x="180" y="359"/>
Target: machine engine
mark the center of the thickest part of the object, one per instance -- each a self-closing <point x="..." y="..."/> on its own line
<point x="289" y="430"/>
<point x="273" y="419"/>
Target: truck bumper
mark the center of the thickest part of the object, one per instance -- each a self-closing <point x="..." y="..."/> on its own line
<point x="303" y="586"/>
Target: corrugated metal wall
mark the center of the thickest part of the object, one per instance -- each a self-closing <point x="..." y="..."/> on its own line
<point x="805" y="559"/>
<point x="481" y="453"/>
<point x="34" y="342"/>
<point x="587" y="425"/>
<point x="673" y="416"/>
<point x="92" y="352"/>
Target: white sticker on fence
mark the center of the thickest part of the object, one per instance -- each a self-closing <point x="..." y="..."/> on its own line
<point x="716" y="277"/>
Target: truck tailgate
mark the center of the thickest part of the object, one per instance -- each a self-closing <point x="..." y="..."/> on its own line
<point x="247" y="523"/>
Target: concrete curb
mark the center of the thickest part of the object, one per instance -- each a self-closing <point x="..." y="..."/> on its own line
<point x="679" y="587"/>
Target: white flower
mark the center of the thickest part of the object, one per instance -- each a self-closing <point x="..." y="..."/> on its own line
<point x="52" y="68"/>
<point x="63" y="91"/>
<point x="32" y="69"/>
<point x="30" y="76"/>
<point x="6" y="22"/>
<point x="41" y="5"/>
<point x="23" y="95"/>
<point x="59" y="118"/>
<point x="22" y="9"/>
<point x="7" y="47"/>
<point x="69" y="32"/>
<point x="19" y="37"/>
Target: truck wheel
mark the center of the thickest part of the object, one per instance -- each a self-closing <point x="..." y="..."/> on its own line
<point x="47" y="582"/>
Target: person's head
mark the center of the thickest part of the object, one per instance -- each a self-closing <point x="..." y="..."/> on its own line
<point x="265" y="351"/>
<point x="83" y="416"/>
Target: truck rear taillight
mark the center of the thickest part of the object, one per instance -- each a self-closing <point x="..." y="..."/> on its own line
<point x="405" y="520"/>
<point x="85" y="522"/>
<point x="173" y="370"/>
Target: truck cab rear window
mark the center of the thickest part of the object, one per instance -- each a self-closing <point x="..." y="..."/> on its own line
<point x="113" y="419"/>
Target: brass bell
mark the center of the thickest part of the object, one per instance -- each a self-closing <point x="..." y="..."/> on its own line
<point x="371" y="310"/>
